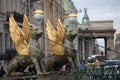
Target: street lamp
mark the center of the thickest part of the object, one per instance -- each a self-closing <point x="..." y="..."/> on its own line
<point x="38" y="15"/>
<point x="72" y="17"/>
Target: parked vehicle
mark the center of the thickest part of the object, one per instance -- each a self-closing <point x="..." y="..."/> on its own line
<point x="93" y="58"/>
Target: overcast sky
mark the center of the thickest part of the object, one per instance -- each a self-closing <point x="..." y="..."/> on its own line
<point x="100" y="10"/>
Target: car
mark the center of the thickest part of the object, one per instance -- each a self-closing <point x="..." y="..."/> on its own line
<point x="111" y="62"/>
<point x="95" y="58"/>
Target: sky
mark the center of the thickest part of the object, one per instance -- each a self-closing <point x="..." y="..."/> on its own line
<point x="100" y="10"/>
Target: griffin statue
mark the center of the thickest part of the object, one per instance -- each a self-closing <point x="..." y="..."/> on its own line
<point x="62" y="47"/>
<point x="27" y="46"/>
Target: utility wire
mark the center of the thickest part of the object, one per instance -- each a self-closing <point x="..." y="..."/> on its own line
<point x="100" y="46"/>
<point x="57" y="43"/>
<point x="109" y="49"/>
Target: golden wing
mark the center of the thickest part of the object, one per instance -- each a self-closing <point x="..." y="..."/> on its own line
<point x="60" y="37"/>
<point x="60" y="31"/>
<point x="17" y="36"/>
<point x="51" y="32"/>
<point x="55" y="36"/>
<point x="26" y="28"/>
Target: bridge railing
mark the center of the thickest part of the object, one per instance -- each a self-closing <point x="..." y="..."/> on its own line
<point x="93" y="73"/>
<point x="111" y="72"/>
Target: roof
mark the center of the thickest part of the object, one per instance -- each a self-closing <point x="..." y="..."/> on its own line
<point x="98" y="25"/>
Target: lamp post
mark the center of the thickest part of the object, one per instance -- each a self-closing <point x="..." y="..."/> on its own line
<point x="38" y="15"/>
<point x="72" y="18"/>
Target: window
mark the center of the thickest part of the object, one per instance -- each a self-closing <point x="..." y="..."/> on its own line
<point x="1" y="43"/>
<point x="1" y="6"/>
<point x="6" y="41"/>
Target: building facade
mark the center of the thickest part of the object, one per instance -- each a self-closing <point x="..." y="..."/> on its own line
<point x="117" y="45"/>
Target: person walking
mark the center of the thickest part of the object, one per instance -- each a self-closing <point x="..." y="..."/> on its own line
<point x="2" y="72"/>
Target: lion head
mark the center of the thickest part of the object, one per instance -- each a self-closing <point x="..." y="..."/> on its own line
<point x="70" y="35"/>
<point x="35" y="32"/>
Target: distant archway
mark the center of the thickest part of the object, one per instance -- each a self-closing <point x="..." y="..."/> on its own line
<point x="97" y="29"/>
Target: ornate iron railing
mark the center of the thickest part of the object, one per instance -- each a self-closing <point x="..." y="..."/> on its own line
<point x="111" y="72"/>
